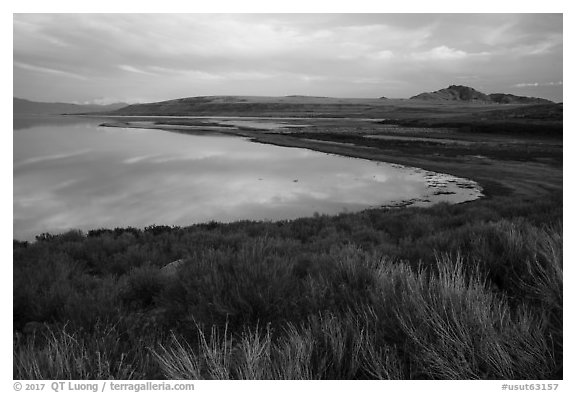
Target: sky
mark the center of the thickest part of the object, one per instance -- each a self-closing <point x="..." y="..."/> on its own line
<point x="105" y="58"/>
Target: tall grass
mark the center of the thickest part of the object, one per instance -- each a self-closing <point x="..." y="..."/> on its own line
<point x="449" y="292"/>
<point x="59" y="354"/>
<point x="324" y="348"/>
<point x="453" y="327"/>
<point x="461" y="330"/>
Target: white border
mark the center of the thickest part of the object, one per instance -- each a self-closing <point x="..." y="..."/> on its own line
<point x="244" y="6"/>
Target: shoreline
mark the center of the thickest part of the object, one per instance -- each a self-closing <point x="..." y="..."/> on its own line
<point x="284" y="140"/>
<point x="501" y="179"/>
<point x="495" y="177"/>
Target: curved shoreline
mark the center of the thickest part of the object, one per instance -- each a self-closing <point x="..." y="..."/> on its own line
<point x="503" y="179"/>
<point x="496" y="177"/>
<point x="284" y="140"/>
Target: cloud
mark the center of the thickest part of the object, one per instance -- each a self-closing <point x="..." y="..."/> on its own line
<point x="368" y="80"/>
<point x="185" y="72"/>
<point x="134" y="160"/>
<point x="441" y="53"/>
<point x="547" y="46"/>
<point x="30" y="67"/>
<point x="164" y="56"/>
<point x="135" y="70"/>
<point x="100" y="101"/>
<point x="536" y="84"/>
<point x="383" y="55"/>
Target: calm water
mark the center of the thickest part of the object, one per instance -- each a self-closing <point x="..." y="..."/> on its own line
<point x="71" y="173"/>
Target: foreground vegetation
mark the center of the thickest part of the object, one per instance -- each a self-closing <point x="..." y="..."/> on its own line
<point x="464" y="291"/>
<point x="452" y="291"/>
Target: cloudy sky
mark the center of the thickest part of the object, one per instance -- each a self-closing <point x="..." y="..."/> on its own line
<point x="107" y="58"/>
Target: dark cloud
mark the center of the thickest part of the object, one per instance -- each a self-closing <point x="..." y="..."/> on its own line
<point x="135" y="57"/>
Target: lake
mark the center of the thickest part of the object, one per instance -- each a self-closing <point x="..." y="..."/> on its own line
<point x="71" y="173"/>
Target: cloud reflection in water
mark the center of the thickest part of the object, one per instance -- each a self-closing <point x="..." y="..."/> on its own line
<point x="83" y="176"/>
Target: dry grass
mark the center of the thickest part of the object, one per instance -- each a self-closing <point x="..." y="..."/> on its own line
<point x="449" y="292"/>
<point x="63" y="355"/>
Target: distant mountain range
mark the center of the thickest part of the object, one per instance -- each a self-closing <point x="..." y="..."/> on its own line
<point x="295" y="105"/>
<point x="299" y="106"/>
<point x="28" y="107"/>
<point x="468" y="94"/>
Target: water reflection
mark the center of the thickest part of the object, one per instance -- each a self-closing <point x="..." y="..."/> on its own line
<point x="23" y="121"/>
<point x="83" y="176"/>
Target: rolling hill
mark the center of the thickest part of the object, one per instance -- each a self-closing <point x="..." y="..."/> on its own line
<point x="22" y="106"/>
<point x="449" y="100"/>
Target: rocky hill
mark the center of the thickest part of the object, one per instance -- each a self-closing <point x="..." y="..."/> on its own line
<point x="468" y="94"/>
<point x="453" y="93"/>
<point x="502" y="98"/>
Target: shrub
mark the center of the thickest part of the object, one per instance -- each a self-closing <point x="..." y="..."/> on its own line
<point x="469" y="291"/>
<point x="143" y="285"/>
